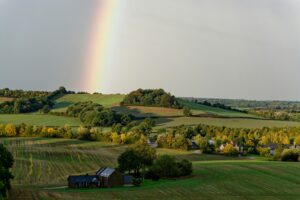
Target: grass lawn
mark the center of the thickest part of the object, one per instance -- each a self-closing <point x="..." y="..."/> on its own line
<point x="62" y="103"/>
<point x="42" y="166"/>
<point x="228" y="122"/>
<point x="38" y="119"/>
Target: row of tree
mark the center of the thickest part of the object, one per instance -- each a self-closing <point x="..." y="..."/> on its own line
<point x="128" y="134"/>
<point x="151" y="97"/>
<point x="29" y="101"/>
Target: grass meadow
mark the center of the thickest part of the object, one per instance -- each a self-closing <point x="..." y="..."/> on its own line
<point x="218" y="121"/>
<point x="38" y="119"/>
<point x="42" y="166"/>
<point x="62" y="103"/>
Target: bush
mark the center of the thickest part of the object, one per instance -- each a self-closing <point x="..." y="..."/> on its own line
<point x="264" y="151"/>
<point x="137" y="181"/>
<point x="290" y="155"/>
<point x="229" y="149"/>
<point x="166" y="166"/>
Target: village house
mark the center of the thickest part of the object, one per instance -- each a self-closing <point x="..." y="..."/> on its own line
<point x="152" y="144"/>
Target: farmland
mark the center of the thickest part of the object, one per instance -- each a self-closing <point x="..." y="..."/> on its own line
<point x="165" y="117"/>
<point x="3" y="99"/>
<point x="38" y="119"/>
<point x="228" y="122"/>
<point x="42" y="166"/>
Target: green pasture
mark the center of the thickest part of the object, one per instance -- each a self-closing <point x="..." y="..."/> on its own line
<point x="202" y="109"/>
<point x="108" y="100"/>
<point x="38" y="119"/>
<point x="228" y="122"/>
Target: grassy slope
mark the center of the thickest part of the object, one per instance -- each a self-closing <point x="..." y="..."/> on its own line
<point x="38" y="119"/>
<point x="200" y="109"/>
<point x="43" y="164"/>
<point x="106" y="100"/>
<point x="228" y="122"/>
<point x="145" y="111"/>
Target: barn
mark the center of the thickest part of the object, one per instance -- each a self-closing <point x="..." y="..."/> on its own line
<point x="83" y="181"/>
<point x="109" y="177"/>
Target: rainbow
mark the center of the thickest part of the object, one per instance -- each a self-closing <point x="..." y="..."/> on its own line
<point x="103" y="22"/>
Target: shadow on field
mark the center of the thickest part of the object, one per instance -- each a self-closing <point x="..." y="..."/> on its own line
<point x="62" y="104"/>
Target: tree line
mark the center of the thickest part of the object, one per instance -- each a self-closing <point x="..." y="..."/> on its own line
<point x="151" y="97"/>
<point x="29" y="101"/>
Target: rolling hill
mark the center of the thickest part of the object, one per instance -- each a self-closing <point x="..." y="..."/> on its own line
<point x="63" y="102"/>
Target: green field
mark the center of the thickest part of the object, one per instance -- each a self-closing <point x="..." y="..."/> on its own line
<point x="146" y="111"/>
<point x="42" y="166"/>
<point x="228" y="122"/>
<point x="202" y="109"/>
<point x="62" y="103"/>
<point x="38" y="119"/>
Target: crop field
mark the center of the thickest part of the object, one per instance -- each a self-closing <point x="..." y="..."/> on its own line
<point x="228" y="122"/>
<point x="42" y="166"/>
<point x="3" y="99"/>
<point x="38" y="119"/>
<point x="62" y="103"/>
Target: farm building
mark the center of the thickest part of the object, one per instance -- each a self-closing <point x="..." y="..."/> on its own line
<point x="83" y="181"/>
<point x="152" y="144"/>
<point x="109" y="177"/>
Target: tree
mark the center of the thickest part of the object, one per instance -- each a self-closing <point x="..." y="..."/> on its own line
<point x="10" y="130"/>
<point x="136" y="158"/>
<point x="46" y="109"/>
<point x="187" y="112"/>
<point x="6" y="163"/>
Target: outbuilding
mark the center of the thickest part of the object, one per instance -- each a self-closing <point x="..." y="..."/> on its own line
<point x="109" y="177"/>
<point x="83" y="181"/>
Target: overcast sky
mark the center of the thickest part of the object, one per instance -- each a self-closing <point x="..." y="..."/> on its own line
<point x="203" y="48"/>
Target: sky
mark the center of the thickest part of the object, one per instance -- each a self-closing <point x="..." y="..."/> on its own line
<point x="245" y="49"/>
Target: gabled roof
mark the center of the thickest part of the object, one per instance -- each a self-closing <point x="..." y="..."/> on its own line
<point x="80" y="179"/>
<point x="105" y="172"/>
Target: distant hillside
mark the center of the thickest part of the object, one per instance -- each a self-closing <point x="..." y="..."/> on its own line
<point x="203" y="109"/>
<point x="109" y="100"/>
<point x="249" y="104"/>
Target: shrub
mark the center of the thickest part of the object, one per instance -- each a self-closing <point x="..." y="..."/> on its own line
<point x="229" y="149"/>
<point x="137" y="181"/>
<point x="166" y="166"/>
<point x="264" y="151"/>
<point x="290" y="155"/>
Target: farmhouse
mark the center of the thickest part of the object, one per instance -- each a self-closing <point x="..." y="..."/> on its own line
<point x="152" y="144"/>
<point x="83" y="181"/>
<point x="109" y="177"/>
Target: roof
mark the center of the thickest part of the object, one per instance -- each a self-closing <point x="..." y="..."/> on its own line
<point x="105" y="171"/>
<point x="83" y="178"/>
